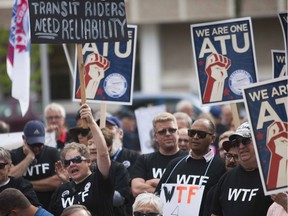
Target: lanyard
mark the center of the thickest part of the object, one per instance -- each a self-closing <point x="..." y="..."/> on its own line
<point x="117" y="154"/>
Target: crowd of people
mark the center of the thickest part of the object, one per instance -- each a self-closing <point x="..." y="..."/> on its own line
<point x="92" y="171"/>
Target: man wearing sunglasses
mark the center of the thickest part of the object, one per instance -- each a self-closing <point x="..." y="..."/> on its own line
<point x="239" y="191"/>
<point x="36" y="161"/>
<point x="149" y="168"/>
<point x="197" y="172"/>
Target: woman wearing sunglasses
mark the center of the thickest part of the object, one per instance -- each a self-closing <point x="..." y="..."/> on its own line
<point x="93" y="190"/>
<point x="147" y="204"/>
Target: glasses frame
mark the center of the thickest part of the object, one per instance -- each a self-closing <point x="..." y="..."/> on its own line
<point x="245" y="141"/>
<point x="2" y="165"/>
<point x="228" y="156"/>
<point x="75" y="160"/>
<point x="163" y="132"/>
<point x="183" y="140"/>
<point x="200" y="134"/>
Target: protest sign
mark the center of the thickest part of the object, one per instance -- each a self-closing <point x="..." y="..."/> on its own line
<point x="266" y="106"/>
<point x="283" y="18"/>
<point x="77" y="21"/>
<point x="180" y="199"/>
<point x="108" y="71"/>
<point x="224" y="59"/>
<point x="144" y="117"/>
<point x="278" y="63"/>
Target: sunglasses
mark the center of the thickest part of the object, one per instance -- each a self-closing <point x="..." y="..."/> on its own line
<point x="75" y="160"/>
<point x="164" y="131"/>
<point x="137" y="213"/>
<point x="200" y="134"/>
<point x="229" y="156"/>
<point x="83" y="131"/>
<point x="245" y="141"/>
<point x="36" y="145"/>
<point x="2" y="165"/>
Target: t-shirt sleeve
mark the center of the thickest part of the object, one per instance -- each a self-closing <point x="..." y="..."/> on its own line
<point x="139" y="168"/>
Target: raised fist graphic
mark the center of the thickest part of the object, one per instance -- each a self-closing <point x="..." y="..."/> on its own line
<point x="94" y="69"/>
<point x="216" y="68"/>
<point x="277" y="142"/>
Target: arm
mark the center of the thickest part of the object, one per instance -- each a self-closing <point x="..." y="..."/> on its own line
<point x="139" y="185"/>
<point x="103" y="159"/>
<point x="47" y="184"/>
<point x="19" y="169"/>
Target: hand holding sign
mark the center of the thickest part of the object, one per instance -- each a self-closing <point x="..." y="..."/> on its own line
<point x="216" y="69"/>
<point x="95" y="67"/>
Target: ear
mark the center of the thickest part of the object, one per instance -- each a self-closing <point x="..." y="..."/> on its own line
<point x="120" y="132"/>
<point x="213" y="137"/>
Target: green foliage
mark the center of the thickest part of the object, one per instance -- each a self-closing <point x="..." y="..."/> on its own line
<point x="5" y="82"/>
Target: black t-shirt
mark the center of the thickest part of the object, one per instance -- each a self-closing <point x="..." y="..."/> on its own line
<point x="240" y="192"/>
<point x="95" y="192"/>
<point x="24" y="186"/>
<point x="42" y="167"/>
<point x="186" y="170"/>
<point x="151" y="166"/>
<point x="127" y="157"/>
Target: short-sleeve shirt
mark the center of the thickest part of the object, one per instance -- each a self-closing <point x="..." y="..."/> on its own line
<point x="240" y="192"/>
<point x="42" y="167"/>
<point x="152" y="165"/>
<point x="95" y="192"/>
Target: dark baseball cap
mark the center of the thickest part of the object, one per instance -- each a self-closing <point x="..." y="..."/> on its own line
<point x="227" y="145"/>
<point x="112" y="120"/>
<point x="34" y="132"/>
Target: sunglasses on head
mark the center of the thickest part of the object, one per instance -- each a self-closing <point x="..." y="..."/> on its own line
<point x="75" y="160"/>
<point x="245" y="141"/>
<point x="200" y="134"/>
<point x="2" y="165"/>
<point x="164" y="131"/>
<point x="138" y="213"/>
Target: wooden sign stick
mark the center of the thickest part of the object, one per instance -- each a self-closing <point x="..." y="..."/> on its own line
<point x="103" y="115"/>
<point x="81" y="76"/>
<point x="236" y="119"/>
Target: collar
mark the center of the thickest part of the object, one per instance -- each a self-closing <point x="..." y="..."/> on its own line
<point x="208" y="156"/>
<point x="63" y="136"/>
<point x="6" y="182"/>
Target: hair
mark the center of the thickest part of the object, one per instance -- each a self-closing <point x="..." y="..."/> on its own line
<point x="182" y="104"/>
<point x="226" y="134"/>
<point x="12" y="198"/>
<point x="145" y="199"/>
<point x="163" y="117"/>
<point x="108" y="136"/>
<point x="74" y="208"/>
<point x="211" y="125"/>
<point x="55" y="107"/>
<point x="184" y="116"/>
<point x="81" y="148"/>
<point x="5" y="155"/>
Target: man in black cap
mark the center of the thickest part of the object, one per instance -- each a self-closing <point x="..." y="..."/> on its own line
<point x="239" y="191"/>
<point x="36" y="162"/>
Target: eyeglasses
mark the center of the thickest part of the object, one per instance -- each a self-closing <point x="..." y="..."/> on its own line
<point x="50" y="118"/>
<point x="2" y="165"/>
<point x="245" y="141"/>
<point x="229" y="156"/>
<point x="183" y="140"/>
<point x="200" y="134"/>
<point x="164" y="131"/>
<point x="75" y="160"/>
<point x="138" y="213"/>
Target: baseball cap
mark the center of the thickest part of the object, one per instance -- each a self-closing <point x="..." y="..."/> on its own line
<point x="216" y="111"/>
<point x="243" y="130"/>
<point x="226" y="145"/>
<point x="34" y="132"/>
<point x="112" y="120"/>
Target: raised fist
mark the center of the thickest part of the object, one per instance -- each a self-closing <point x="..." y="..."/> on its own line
<point x="94" y="67"/>
<point x="277" y="142"/>
<point x="216" y="68"/>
